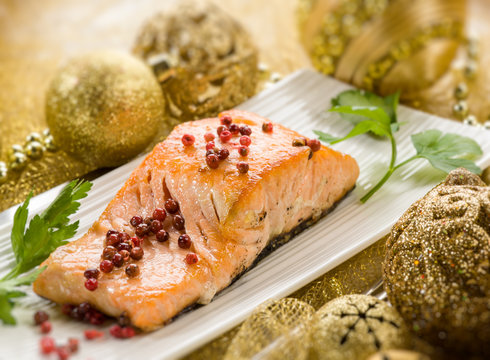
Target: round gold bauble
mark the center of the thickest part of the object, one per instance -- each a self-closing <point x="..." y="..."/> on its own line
<point x="104" y="108"/>
<point x="203" y="59"/>
<point x="355" y="327"/>
<point x="437" y="266"/>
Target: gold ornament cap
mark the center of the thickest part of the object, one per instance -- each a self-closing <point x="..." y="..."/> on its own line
<point x="104" y="108"/>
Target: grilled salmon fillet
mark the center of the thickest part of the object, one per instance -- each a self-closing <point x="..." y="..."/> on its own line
<point x="229" y="216"/>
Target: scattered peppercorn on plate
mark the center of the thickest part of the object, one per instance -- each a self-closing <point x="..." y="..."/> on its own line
<point x="209" y="248"/>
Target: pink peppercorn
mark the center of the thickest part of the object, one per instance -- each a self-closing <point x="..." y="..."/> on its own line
<point x="47" y="345"/>
<point x="73" y="344"/>
<point x="245" y="140"/>
<point x="210" y="145"/>
<point x="234" y="129"/>
<point x="46" y="327"/>
<point x="267" y="127"/>
<point x="314" y="144"/>
<point x="223" y="154"/>
<point x="226" y="120"/>
<point x="212" y="160"/>
<point x="242" y="167"/>
<point x="220" y="129"/>
<point x="243" y="150"/>
<point x="225" y="136"/>
<point x="191" y="258"/>
<point x="188" y="139"/>
<point x="93" y="334"/>
<point x="245" y="130"/>
<point x="209" y="136"/>
<point x="91" y="284"/>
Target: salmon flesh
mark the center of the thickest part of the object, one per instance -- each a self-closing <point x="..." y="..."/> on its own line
<point x="230" y="217"/>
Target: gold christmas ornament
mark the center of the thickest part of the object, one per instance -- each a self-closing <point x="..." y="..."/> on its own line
<point x="104" y="108"/>
<point x="204" y="60"/>
<point x="437" y="266"/>
<point x="356" y="326"/>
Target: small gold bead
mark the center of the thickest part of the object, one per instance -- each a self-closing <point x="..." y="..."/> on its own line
<point x="46" y="132"/>
<point x="470" y="69"/>
<point x="49" y="143"/>
<point x="275" y="77"/>
<point x="470" y="120"/>
<point x="34" y="136"/>
<point x="262" y="67"/>
<point x="461" y="91"/>
<point x="34" y="150"/>
<point x="18" y="161"/>
<point x="460" y="109"/>
<point x="16" y="148"/>
<point x="3" y="173"/>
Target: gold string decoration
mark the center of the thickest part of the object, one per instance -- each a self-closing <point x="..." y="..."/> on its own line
<point x="415" y="46"/>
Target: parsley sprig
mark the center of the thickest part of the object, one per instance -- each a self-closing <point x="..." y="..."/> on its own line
<point x="32" y="246"/>
<point x="373" y="114"/>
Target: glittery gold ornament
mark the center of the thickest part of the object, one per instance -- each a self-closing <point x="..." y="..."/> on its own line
<point x="356" y="326"/>
<point x="104" y="108"/>
<point x="437" y="266"/>
<point x="34" y="150"/>
<point x="203" y="59"/>
<point x="17" y="161"/>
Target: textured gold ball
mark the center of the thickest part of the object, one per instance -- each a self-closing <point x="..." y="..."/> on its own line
<point x="17" y="161"/>
<point x="204" y="60"/>
<point x="104" y="108"/>
<point x="46" y="133"/>
<point x="3" y="172"/>
<point x="34" y="136"/>
<point x="34" y="150"/>
<point x="356" y="326"/>
<point x="49" y="143"/>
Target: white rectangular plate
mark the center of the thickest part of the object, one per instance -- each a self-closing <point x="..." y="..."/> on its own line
<point x="298" y="102"/>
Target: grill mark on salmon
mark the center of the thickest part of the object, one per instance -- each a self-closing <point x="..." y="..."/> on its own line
<point x="230" y="217"/>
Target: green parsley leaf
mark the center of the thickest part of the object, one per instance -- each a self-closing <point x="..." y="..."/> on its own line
<point x="445" y="151"/>
<point x="45" y="233"/>
<point x="361" y="98"/>
<point x="371" y="113"/>
<point x="9" y="291"/>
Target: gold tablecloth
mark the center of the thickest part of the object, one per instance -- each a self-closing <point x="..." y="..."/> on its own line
<point x="37" y="36"/>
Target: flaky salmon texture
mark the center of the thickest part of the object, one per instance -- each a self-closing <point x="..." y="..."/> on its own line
<point x="229" y="216"/>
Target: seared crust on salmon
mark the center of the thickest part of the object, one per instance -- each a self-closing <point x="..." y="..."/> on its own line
<point x="230" y="217"/>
